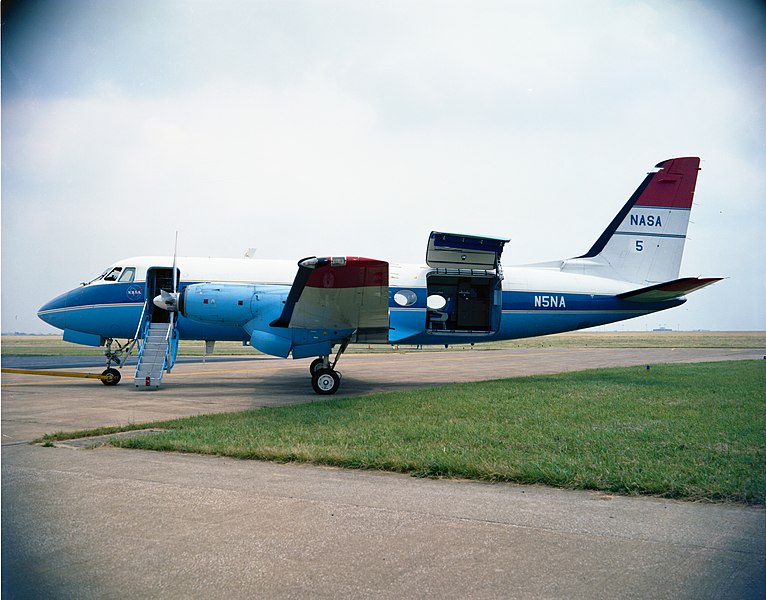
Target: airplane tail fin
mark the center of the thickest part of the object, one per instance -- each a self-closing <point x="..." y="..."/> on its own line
<point x="645" y="241"/>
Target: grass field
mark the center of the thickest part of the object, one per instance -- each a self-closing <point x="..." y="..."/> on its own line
<point x="692" y="431"/>
<point x="49" y="345"/>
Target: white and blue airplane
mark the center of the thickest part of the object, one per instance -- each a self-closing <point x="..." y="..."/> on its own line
<point x="461" y="295"/>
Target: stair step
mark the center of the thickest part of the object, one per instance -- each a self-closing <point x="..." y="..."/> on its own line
<point x="152" y="355"/>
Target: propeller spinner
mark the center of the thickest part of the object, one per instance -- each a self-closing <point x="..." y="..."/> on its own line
<point x="167" y="300"/>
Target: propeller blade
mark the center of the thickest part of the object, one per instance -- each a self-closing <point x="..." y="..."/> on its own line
<point x="174" y="308"/>
<point x="175" y="273"/>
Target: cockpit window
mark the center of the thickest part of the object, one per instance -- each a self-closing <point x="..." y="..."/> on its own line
<point x="113" y="275"/>
<point x="128" y="275"/>
<point x="121" y="274"/>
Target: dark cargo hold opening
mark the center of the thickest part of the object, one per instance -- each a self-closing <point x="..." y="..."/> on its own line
<point x="461" y="303"/>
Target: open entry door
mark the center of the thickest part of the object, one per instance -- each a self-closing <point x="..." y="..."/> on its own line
<point x="159" y="278"/>
<point x="465" y="285"/>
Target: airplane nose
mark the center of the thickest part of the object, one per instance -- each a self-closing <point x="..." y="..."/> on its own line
<point x="53" y="313"/>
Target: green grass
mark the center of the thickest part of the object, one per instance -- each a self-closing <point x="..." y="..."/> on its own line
<point x="694" y="431"/>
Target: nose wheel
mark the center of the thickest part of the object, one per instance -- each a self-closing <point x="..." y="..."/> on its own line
<point x="111" y="376"/>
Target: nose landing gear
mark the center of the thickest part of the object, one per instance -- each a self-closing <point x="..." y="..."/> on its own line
<point x="118" y="356"/>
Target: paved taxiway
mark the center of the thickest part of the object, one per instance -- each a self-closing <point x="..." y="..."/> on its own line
<point x="107" y="523"/>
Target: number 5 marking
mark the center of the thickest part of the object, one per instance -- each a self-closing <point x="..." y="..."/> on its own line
<point x="639" y="245"/>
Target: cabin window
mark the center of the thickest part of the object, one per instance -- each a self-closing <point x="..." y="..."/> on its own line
<point x="436" y="302"/>
<point x="405" y="297"/>
<point x="128" y="275"/>
<point x="113" y="275"/>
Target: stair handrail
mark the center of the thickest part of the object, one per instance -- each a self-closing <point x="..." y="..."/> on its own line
<point x="141" y="319"/>
<point x="171" y="350"/>
<point x="141" y="349"/>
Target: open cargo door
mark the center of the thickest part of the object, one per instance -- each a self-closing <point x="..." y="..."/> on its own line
<point x="458" y="251"/>
<point x="465" y="285"/>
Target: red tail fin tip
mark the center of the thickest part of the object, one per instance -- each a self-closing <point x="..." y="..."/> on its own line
<point x="673" y="185"/>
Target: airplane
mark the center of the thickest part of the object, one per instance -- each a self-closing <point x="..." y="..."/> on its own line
<point x="462" y="294"/>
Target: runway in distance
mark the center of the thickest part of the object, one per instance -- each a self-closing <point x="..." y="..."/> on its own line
<point x="461" y="295"/>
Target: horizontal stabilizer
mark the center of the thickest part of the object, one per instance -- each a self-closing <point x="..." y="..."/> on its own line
<point x="668" y="290"/>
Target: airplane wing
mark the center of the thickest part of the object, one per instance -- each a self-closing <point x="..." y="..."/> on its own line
<point x="339" y="293"/>
<point x="668" y="290"/>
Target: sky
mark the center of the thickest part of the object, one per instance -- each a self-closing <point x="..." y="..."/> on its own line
<point x="335" y="127"/>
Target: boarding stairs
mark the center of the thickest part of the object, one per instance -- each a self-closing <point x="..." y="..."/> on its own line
<point x="157" y="355"/>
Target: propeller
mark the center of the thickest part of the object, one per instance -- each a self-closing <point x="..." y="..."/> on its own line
<point x="169" y="300"/>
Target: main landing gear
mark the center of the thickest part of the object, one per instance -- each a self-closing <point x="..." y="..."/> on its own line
<point x="119" y="355"/>
<point x="324" y="378"/>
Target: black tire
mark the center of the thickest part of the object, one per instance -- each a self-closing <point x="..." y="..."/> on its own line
<point x="112" y="377"/>
<point x="325" y="382"/>
<point x="316" y="364"/>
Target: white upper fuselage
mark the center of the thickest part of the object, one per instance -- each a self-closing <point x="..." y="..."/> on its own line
<point x="549" y="279"/>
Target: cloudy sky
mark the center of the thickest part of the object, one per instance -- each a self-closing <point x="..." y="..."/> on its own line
<point x="343" y="127"/>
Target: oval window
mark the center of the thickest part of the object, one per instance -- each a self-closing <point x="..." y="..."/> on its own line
<point x="436" y="302"/>
<point x="405" y="297"/>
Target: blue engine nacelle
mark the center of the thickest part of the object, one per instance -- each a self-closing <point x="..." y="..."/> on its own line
<point x="220" y="303"/>
<point x="254" y="308"/>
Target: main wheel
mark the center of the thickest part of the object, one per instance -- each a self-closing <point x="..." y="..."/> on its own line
<point x="111" y="377"/>
<point x="316" y="364"/>
<point x="325" y="382"/>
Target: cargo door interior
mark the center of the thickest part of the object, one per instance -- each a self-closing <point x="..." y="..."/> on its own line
<point x="464" y="285"/>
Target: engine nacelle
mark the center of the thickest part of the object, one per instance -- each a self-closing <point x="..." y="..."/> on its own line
<point x="220" y="303"/>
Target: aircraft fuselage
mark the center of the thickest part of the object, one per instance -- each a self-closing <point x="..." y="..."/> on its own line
<point x="526" y="302"/>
